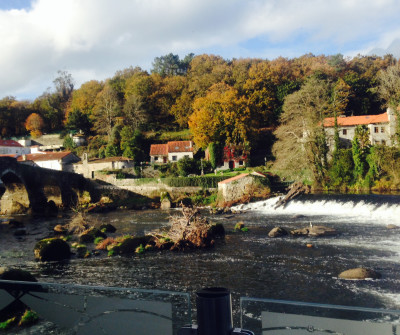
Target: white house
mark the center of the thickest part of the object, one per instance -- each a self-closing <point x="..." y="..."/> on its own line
<point x="60" y="161"/>
<point x="172" y="151"/>
<point x="382" y="128"/>
<point x="10" y="147"/>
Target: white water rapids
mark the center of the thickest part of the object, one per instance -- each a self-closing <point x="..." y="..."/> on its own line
<point x="380" y="210"/>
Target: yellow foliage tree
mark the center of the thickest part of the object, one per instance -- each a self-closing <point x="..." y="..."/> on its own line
<point x="220" y="116"/>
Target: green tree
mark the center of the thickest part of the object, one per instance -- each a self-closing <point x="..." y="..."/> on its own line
<point x="76" y="120"/>
<point x="360" y="149"/>
<point x="300" y="137"/>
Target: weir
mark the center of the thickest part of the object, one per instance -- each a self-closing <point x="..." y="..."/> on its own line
<point x="380" y="207"/>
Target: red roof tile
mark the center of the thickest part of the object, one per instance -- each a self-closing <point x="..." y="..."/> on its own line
<point x="46" y="156"/>
<point x="226" y="181"/>
<point x="356" y="120"/>
<point x="159" y="150"/>
<point x="9" y="143"/>
<point x="180" y="146"/>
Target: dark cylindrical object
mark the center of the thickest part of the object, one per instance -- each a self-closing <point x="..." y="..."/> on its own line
<point x="214" y="311"/>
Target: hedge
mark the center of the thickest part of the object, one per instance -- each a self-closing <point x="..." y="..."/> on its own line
<point x="205" y="182"/>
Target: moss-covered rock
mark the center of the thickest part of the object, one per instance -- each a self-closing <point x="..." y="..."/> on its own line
<point x="217" y="230"/>
<point x="90" y="234"/>
<point x="52" y="249"/>
<point x="130" y="244"/>
<point x="107" y="228"/>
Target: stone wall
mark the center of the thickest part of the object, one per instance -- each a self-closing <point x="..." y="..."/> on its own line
<point x="235" y="190"/>
<point x="150" y="189"/>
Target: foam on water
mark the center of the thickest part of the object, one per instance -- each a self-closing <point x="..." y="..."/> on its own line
<point x="381" y="211"/>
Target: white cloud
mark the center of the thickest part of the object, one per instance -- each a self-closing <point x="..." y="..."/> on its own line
<point x="94" y="38"/>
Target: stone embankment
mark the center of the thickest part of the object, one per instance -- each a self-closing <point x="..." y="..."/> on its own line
<point x="149" y="189"/>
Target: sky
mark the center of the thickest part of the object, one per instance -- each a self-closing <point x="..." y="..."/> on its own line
<point x="93" y="39"/>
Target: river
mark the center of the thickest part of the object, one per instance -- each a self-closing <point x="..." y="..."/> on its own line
<point x="249" y="264"/>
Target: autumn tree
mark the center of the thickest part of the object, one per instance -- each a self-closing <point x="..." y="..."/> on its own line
<point x="34" y="124"/>
<point x="106" y="111"/>
<point x="84" y="98"/>
<point x="220" y="116"/>
<point x="388" y="87"/>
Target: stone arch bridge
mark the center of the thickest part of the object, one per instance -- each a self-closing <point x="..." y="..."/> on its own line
<point x="28" y="188"/>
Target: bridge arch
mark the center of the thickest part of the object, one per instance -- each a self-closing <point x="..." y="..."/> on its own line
<point x="15" y="198"/>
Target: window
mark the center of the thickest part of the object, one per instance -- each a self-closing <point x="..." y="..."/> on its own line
<point x="156" y="158"/>
<point x="187" y="156"/>
<point x="376" y="130"/>
<point x="240" y="163"/>
<point x="382" y="129"/>
<point x="174" y="158"/>
<point x="344" y="131"/>
<point x="383" y="142"/>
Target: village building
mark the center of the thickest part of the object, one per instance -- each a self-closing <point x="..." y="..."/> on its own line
<point x="60" y="161"/>
<point x="382" y="128"/>
<point x="88" y="167"/>
<point x="10" y="147"/>
<point x="234" y="188"/>
<point x="172" y="151"/>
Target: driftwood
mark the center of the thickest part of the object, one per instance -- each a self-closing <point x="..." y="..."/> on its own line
<point x="189" y="230"/>
<point x="295" y="190"/>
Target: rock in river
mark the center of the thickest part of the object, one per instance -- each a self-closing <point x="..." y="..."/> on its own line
<point x="278" y="232"/>
<point x="314" y="231"/>
<point x="52" y="249"/>
<point x="360" y="273"/>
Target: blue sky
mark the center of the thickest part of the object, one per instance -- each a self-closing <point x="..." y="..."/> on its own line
<point x="92" y="39"/>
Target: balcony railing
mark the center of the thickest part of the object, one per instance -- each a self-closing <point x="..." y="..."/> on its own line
<point x="78" y="309"/>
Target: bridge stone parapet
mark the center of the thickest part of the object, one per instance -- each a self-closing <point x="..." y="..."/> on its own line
<point x="30" y="188"/>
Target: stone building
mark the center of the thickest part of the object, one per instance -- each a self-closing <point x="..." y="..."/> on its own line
<point x="382" y="128"/>
<point x="88" y="167"/>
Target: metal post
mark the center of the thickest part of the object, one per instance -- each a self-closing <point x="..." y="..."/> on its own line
<point x="214" y="311"/>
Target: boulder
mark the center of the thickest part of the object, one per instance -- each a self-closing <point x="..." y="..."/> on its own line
<point x="314" y="231"/>
<point x="16" y="275"/>
<point x="107" y="228"/>
<point x="60" y="229"/>
<point x="90" y="234"/>
<point x="130" y="244"/>
<point x="392" y="226"/>
<point x="217" y="230"/>
<point x="360" y="274"/>
<point x="52" y="249"/>
<point x="278" y="232"/>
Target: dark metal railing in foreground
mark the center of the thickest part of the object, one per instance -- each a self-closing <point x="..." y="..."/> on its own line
<point x="79" y="309"/>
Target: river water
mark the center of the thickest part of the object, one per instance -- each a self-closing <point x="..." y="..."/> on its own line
<point x="249" y="264"/>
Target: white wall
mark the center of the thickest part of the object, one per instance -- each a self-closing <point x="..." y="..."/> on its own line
<point x="178" y="155"/>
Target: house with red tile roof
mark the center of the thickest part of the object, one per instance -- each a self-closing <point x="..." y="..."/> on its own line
<point x="171" y="151"/>
<point x="10" y="147"/>
<point x="382" y="128"/>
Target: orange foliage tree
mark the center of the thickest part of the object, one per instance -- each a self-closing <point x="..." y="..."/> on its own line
<point x="34" y="124"/>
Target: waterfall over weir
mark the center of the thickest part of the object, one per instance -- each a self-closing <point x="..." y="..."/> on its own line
<point x="382" y="208"/>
